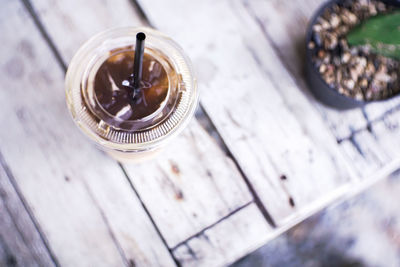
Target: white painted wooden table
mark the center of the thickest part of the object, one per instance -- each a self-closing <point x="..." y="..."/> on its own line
<point x="261" y="156"/>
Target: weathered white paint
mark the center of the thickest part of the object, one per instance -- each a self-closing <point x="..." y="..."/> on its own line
<point x="227" y="241"/>
<point x="192" y="183"/>
<point x="378" y="148"/>
<point x="79" y="196"/>
<point x="284" y="23"/>
<point x="19" y="238"/>
<point x="261" y="127"/>
<point x="190" y="186"/>
<point x="71" y="23"/>
<point x="256" y="104"/>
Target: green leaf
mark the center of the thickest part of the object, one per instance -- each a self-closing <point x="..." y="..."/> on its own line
<point x="381" y="33"/>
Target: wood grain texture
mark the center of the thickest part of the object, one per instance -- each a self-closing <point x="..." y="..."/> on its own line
<point x="193" y="182"/>
<point x="71" y="23"/>
<point x="284" y="24"/>
<point x="376" y="111"/>
<point x="190" y="186"/>
<point x="20" y="240"/>
<point x="219" y="245"/>
<point x="281" y="143"/>
<point x="379" y="147"/>
<point x="79" y="196"/>
<point x="290" y="162"/>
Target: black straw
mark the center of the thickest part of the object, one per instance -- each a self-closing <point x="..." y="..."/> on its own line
<point x="137" y="64"/>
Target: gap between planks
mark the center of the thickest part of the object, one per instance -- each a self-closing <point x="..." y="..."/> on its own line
<point x="370" y="124"/>
<point x="209" y="123"/>
<point x="337" y="195"/>
<point x="56" y="50"/>
<point x="354" y="131"/>
<point x="10" y="176"/>
<point x="211" y="225"/>
<point x="44" y="167"/>
<point x="304" y="87"/>
<point x="242" y="139"/>
<point x="28" y="5"/>
<point x="228" y="152"/>
<point x="148" y="214"/>
<point x="63" y="66"/>
<point x="210" y="128"/>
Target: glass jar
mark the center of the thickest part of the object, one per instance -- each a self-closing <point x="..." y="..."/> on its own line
<point x="130" y="143"/>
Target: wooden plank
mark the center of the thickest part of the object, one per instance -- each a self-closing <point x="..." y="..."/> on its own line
<point x="379" y="147"/>
<point x="387" y="132"/>
<point x="80" y="20"/>
<point x="226" y="241"/>
<point x="79" y="196"/>
<point x="367" y="148"/>
<point x="4" y="255"/>
<point x="15" y="251"/>
<point x="289" y="162"/>
<point x="284" y="23"/>
<point x="19" y="236"/>
<point x="186" y="188"/>
<point x="193" y="183"/>
<point x="377" y="111"/>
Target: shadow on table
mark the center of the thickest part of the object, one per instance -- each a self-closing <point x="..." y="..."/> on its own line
<point x="363" y="231"/>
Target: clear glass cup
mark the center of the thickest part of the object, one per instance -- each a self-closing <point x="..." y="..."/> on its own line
<point x="128" y="143"/>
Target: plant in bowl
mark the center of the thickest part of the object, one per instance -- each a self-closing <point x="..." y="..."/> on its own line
<point x="353" y="52"/>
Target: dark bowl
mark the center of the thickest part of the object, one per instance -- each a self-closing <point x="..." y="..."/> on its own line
<point x="392" y="2"/>
<point x="320" y="89"/>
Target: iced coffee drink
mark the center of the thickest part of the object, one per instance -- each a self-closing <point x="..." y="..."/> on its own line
<point x="128" y="117"/>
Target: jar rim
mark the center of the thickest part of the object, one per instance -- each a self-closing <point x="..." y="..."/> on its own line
<point x="119" y="139"/>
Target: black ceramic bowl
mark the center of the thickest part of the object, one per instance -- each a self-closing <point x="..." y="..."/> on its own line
<point x="320" y="89"/>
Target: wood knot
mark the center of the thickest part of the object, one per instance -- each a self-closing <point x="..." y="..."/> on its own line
<point x="25" y="47"/>
<point x="3" y="194"/>
<point x="132" y="263"/>
<point x="21" y="114"/>
<point x="14" y="68"/>
<point x="174" y="168"/>
<point x="291" y="202"/>
<point x="178" y="194"/>
<point x="11" y="260"/>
